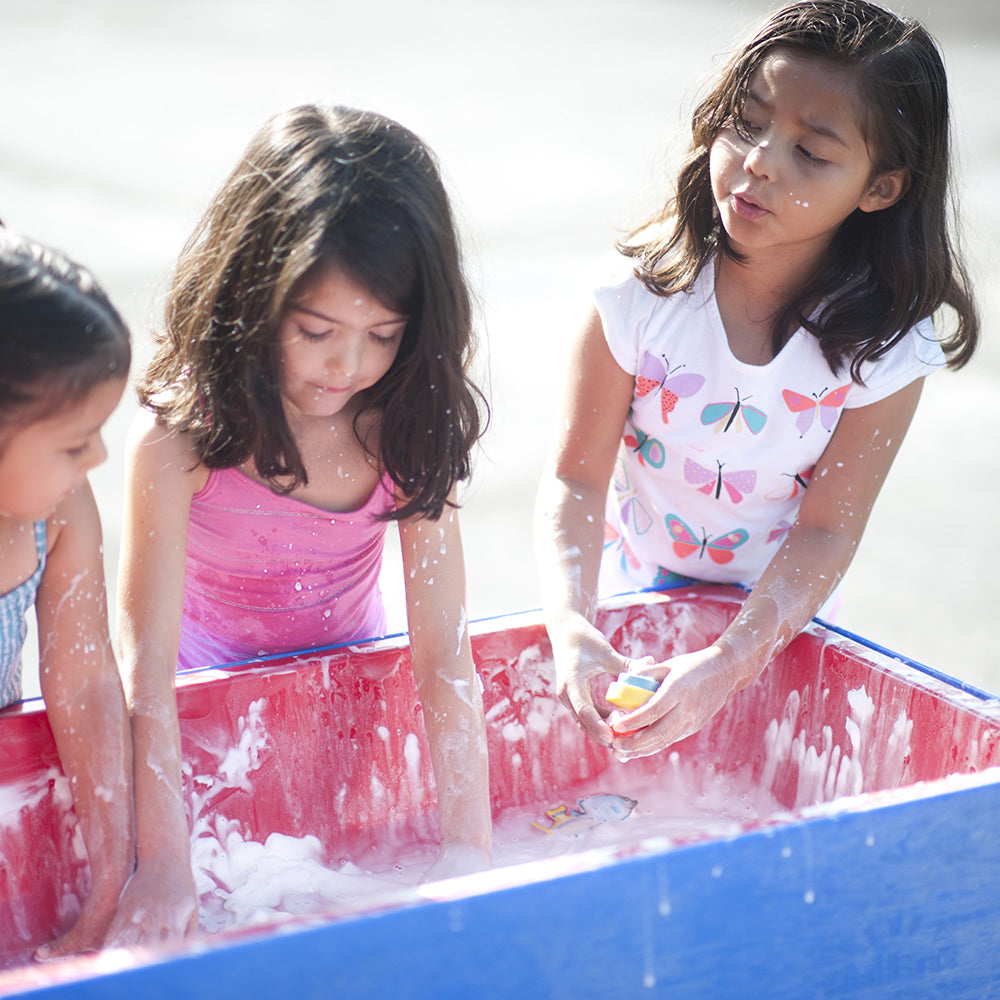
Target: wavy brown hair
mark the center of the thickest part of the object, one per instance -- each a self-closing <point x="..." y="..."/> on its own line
<point x="316" y="187"/>
<point x="885" y="270"/>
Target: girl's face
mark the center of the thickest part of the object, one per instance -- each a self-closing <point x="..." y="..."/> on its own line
<point x="43" y="461"/>
<point x="337" y="340"/>
<point x="807" y="167"/>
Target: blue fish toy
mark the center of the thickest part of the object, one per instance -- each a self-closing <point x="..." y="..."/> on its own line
<point x="590" y="811"/>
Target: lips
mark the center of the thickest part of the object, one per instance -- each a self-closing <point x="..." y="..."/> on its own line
<point x="747" y="206"/>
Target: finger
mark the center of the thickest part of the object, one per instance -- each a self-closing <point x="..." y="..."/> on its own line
<point x="587" y="716"/>
<point x="114" y="929"/>
<point x="51" y="952"/>
<point x="127" y="936"/>
<point x="642" y="741"/>
<point x="649" y="666"/>
<point x="648" y="714"/>
<point x="594" y="726"/>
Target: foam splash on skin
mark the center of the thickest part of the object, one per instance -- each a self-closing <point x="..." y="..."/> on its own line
<point x="461" y="629"/>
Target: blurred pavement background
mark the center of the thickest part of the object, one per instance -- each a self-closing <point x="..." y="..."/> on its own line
<point x="556" y="123"/>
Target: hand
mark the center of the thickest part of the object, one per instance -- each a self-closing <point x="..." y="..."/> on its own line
<point x="694" y="687"/>
<point x="89" y="931"/>
<point x="458" y="859"/>
<point x="582" y="654"/>
<point x="159" y="904"/>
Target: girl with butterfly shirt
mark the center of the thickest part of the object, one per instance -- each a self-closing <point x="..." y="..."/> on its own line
<point x="747" y="374"/>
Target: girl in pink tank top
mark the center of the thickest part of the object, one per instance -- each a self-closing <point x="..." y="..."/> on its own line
<point x="309" y="388"/>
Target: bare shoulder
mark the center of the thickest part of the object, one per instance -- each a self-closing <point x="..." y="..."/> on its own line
<point x="161" y="456"/>
<point x="595" y="404"/>
<point x="73" y="530"/>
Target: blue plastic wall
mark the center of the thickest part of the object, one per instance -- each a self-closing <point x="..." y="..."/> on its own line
<point x="899" y="901"/>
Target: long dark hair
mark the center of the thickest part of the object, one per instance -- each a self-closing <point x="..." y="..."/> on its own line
<point x="316" y="187"/>
<point x="885" y="270"/>
<point x="60" y="336"/>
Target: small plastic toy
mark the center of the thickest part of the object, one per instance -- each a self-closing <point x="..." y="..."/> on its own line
<point x="589" y="811"/>
<point x="630" y="691"/>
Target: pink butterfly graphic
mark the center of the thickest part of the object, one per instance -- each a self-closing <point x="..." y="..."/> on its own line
<point x="779" y="531"/>
<point x="631" y="506"/>
<point x="657" y="375"/>
<point x="736" y="484"/>
<point x="826" y="404"/>
<point x="799" y="481"/>
<point x="724" y="415"/>
<point x="720" y="550"/>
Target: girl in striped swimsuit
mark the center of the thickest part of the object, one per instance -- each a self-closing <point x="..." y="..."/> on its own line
<point x="64" y="358"/>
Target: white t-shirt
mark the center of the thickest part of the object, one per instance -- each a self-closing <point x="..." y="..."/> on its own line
<point x="717" y="453"/>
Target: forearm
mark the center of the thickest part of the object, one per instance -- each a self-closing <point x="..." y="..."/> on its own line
<point x="161" y="900"/>
<point x="449" y="689"/>
<point x="457" y="738"/>
<point x="797" y="582"/>
<point x="99" y="773"/>
<point x="161" y="820"/>
<point x="452" y="704"/>
<point x="569" y="540"/>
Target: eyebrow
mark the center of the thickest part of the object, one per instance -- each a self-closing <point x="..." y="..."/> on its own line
<point x="74" y="438"/>
<point x="815" y="127"/>
<point x="329" y="319"/>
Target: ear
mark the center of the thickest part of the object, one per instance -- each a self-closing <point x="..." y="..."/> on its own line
<point x="886" y="190"/>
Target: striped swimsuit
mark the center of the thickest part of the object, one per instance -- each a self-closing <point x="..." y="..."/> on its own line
<point x="14" y="606"/>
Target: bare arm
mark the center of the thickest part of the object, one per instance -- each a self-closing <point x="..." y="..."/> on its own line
<point x="803" y="573"/>
<point x="569" y="524"/>
<point x="158" y="490"/>
<point x="86" y="709"/>
<point x="434" y="571"/>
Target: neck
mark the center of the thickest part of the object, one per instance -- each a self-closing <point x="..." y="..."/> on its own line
<point x="750" y="295"/>
<point x="766" y="282"/>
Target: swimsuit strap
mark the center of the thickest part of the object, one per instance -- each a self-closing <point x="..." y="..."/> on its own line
<point x="40" y="540"/>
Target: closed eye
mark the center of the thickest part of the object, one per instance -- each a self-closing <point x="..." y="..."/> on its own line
<point x="387" y="339"/>
<point x="744" y="127"/>
<point x="313" y="335"/>
<point x="810" y="157"/>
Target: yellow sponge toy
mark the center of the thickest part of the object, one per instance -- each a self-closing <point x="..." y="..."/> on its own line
<point x="630" y="691"/>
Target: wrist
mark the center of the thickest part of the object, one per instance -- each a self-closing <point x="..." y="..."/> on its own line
<point x="741" y="665"/>
<point x="571" y="628"/>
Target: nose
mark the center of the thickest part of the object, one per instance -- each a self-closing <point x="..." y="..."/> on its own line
<point x="344" y="358"/>
<point x="758" y="161"/>
<point x="97" y="454"/>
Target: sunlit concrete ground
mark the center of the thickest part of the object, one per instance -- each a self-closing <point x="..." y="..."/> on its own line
<point x="555" y="123"/>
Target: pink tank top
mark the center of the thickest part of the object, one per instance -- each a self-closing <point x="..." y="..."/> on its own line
<point x="269" y="574"/>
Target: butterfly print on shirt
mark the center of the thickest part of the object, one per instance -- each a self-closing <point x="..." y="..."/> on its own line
<point x="826" y="405"/>
<point x="714" y="481"/>
<point x="656" y="375"/>
<point x="720" y="549"/>
<point x="735" y="416"/>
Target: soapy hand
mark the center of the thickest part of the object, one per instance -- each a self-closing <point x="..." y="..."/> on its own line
<point x="694" y="686"/>
<point x="87" y="934"/>
<point x="583" y="655"/>
<point x="159" y="904"/>
<point x="458" y="859"/>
